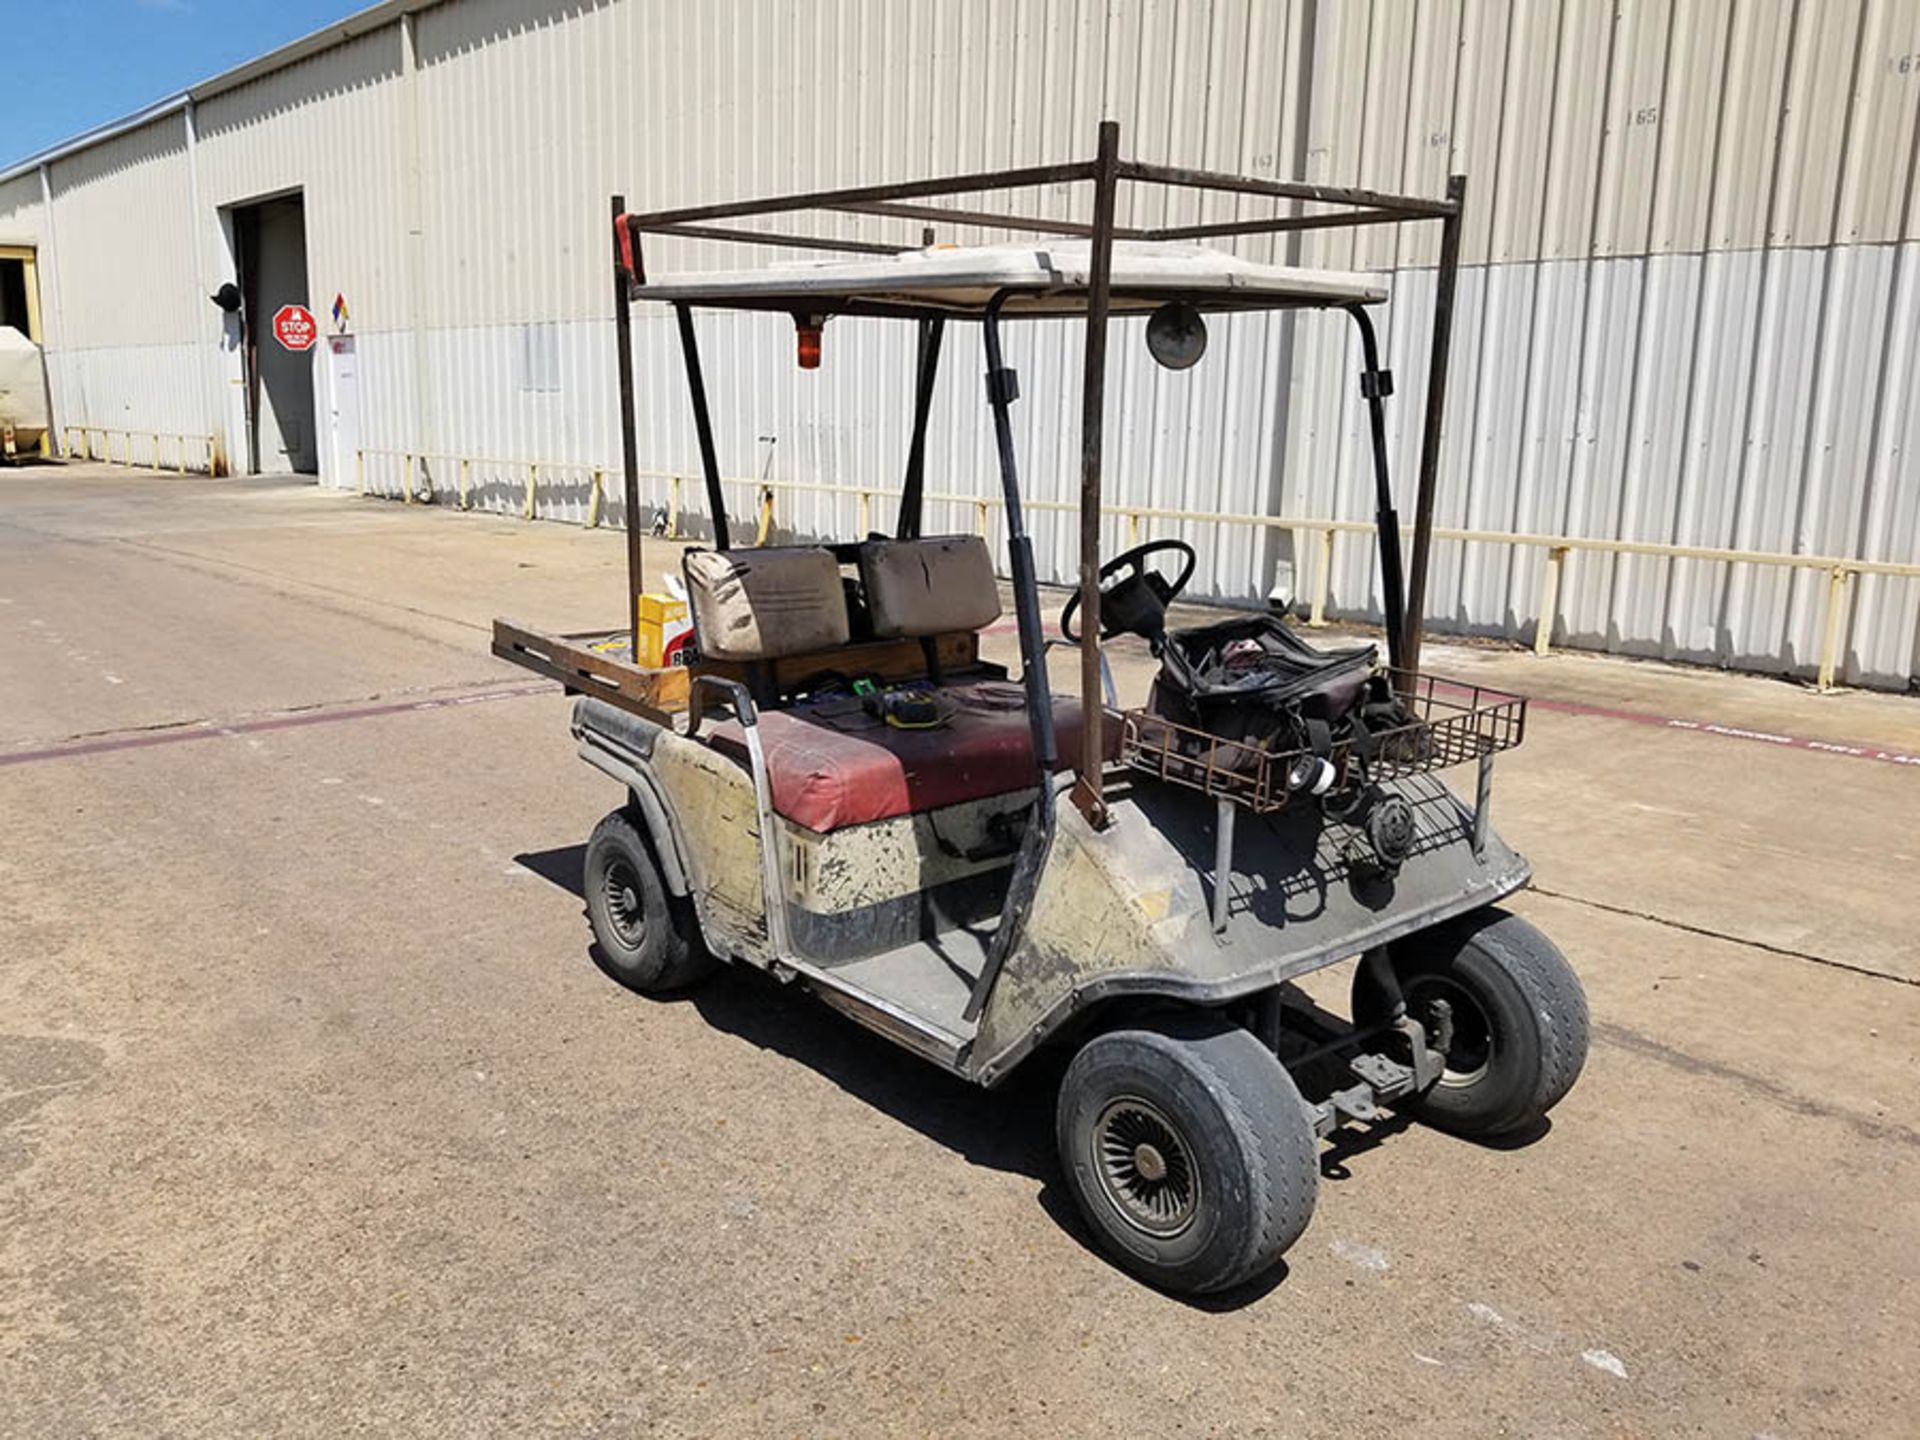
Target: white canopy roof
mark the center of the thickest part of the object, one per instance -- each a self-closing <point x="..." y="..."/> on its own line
<point x="1054" y="273"/>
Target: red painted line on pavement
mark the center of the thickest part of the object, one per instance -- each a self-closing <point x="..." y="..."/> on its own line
<point x="297" y="721"/>
<point x="1731" y="732"/>
<point x="401" y="707"/>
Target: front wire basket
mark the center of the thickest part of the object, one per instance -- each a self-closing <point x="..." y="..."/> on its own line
<point x="1452" y="723"/>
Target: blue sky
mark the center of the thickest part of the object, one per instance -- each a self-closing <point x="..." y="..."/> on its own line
<point x="74" y="64"/>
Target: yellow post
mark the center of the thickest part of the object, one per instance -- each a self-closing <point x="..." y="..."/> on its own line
<point x="406" y="480"/>
<point x="360" y="470"/>
<point x="980" y="517"/>
<point x="866" y="514"/>
<point x="533" y="479"/>
<point x="1836" y="624"/>
<point x="183" y="454"/>
<point x="673" y="510"/>
<point x="466" y="490"/>
<point x="155" y="462"/>
<point x="1549" y="599"/>
<point x="1133" y="528"/>
<point x="766" y="516"/>
<point x="1323" y="578"/>
<point x="593" y="501"/>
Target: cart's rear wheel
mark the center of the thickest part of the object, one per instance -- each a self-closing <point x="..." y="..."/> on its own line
<point x="647" y="939"/>
<point x="1189" y="1152"/>
<point x="1509" y="1010"/>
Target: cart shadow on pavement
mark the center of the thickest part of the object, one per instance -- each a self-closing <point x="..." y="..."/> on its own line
<point x="1008" y="1129"/>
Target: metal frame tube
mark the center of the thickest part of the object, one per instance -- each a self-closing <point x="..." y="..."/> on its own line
<point x="1408" y="206"/>
<point x="1023" y="178"/>
<point x="1338" y="220"/>
<point x="1106" y="169"/>
<point x="1375" y="385"/>
<point x="1436" y="415"/>
<point x="986" y="219"/>
<point x="1224" y="811"/>
<point x="1038" y="838"/>
<point x="738" y="236"/>
<point x="913" y="489"/>
<point x="629" y="442"/>
<point x="1026" y="591"/>
<point x="702" y="424"/>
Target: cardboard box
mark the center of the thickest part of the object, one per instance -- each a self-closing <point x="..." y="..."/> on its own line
<point x="661" y="632"/>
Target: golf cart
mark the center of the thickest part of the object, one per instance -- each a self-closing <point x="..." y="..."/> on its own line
<point x="840" y="790"/>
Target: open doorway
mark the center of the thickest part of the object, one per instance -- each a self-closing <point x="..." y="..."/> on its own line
<point x="26" y="421"/>
<point x="270" y="247"/>
<point x="13" y="296"/>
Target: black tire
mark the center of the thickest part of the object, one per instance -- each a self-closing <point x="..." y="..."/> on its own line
<point x="1223" y="1166"/>
<point x="647" y="939"/>
<point x="1519" y="1020"/>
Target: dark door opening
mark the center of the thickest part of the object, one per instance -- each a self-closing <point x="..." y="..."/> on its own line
<point x="270" y="242"/>
<point x="13" y="296"/>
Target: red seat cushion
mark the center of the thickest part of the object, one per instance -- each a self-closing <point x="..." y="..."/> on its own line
<point x="831" y="764"/>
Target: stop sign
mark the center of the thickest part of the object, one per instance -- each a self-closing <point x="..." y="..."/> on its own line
<point x="293" y="327"/>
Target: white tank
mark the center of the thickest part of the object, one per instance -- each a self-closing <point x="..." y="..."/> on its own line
<point x="23" y="392"/>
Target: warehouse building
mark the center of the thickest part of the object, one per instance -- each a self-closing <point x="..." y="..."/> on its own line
<point x="1689" y="304"/>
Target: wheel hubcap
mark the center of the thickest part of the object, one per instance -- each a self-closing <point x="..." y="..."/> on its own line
<point x="1438" y="1002"/>
<point x="1145" y="1167"/>
<point x="624" y="909"/>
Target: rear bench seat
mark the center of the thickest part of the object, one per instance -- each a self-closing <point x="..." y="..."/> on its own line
<point x="829" y="764"/>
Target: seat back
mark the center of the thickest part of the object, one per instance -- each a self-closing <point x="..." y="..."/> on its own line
<point x="765" y="604"/>
<point x="929" y="587"/>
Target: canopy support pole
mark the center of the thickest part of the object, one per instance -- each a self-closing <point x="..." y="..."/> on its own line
<point x="1436" y="416"/>
<point x="911" y="502"/>
<point x="1036" y="840"/>
<point x="623" y="278"/>
<point x="1087" y="790"/>
<point x="703" y="424"/>
<point x="1375" y="385"/>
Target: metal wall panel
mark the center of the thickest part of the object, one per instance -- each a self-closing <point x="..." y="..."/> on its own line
<point x="1758" y="400"/>
<point x="1672" y="125"/>
<point x="331" y="127"/>
<point x="21" y="220"/>
<point x="120" y="212"/>
<point x="1687" y="315"/>
<point x="328" y="126"/>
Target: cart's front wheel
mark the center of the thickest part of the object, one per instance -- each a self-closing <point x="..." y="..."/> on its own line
<point x="1189" y="1152"/>
<point x="1497" y="998"/>
<point x="647" y="939"/>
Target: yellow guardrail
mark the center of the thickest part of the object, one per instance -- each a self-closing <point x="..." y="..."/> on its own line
<point x="156" y="453"/>
<point x="1322" y="533"/>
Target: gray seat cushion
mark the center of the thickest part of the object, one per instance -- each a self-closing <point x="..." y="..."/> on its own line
<point x="763" y="604"/>
<point x="929" y="587"/>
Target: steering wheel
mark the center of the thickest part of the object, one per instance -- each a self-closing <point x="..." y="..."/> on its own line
<point x="1137" y="603"/>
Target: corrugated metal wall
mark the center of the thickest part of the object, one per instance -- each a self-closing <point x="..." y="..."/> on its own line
<point x="1688" y="310"/>
<point x="1689" y="315"/>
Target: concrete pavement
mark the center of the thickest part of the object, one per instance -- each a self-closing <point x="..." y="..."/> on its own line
<point x="314" y="1114"/>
